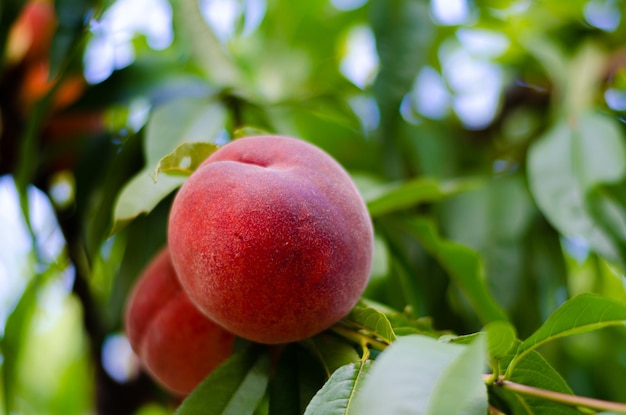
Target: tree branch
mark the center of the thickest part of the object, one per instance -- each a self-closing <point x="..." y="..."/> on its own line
<point x="562" y="398"/>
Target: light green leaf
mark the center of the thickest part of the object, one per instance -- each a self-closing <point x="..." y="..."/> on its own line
<point x="391" y="197"/>
<point x="141" y="195"/>
<point x="15" y="331"/>
<point x="403" y="323"/>
<point x="337" y="395"/>
<point x="418" y="375"/>
<point x="371" y="320"/>
<point x="566" y="163"/>
<point x="234" y="388"/>
<point x="581" y="314"/>
<point x="184" y="160"/>
<point x="463" y="264"/>
<point x="586" y="71"/>
<point x="248" y="131"/>
<point x="179" y="121"/>
<point x="186" y="120"/>
<point x="203" y="45"/>
<point x="501" y="337"/>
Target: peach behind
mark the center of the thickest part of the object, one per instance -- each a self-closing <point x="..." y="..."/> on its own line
<point x="176" y="343"/>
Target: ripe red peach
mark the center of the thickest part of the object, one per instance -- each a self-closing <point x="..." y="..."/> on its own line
<point x="177" y="345"/>
<point x="271" y="239"/>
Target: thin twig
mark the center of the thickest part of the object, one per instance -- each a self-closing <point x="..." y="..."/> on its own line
<point x="358" y="337"/>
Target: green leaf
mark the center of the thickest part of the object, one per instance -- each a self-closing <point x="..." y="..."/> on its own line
<point x="179" y="121"/>
<point x="234" y="388"/>
<point x="501" y="337"/>
<point x="494" y="219"/>
<point x="159" y="79"/>
<point x="296" y="379"/>
<point x="186" y="120"/>
<point x="284" y="391"/>
<point x="534" y="370"/>
<point x="337" y="395"/>
<point x="403" y="323"/>
<point x="141" y="195"/>
<point x="463" y="265"/>
<point x="371" y="320"/>
<point x="332" y="351"/>
<point x="581" y="314"/>
<point x="202" y="44"/>
<point x="184" y="160"/>
<point x="73" y="18"/>
<point x="551" y="56"/>
<point x="567" y="163"/>
<point x="16" y="326"/>
<point x="586" y="70"/>
<point x="247" y="131"/>
<point x="391" y="197"/>
<point x="404" y="34"/>
<point x="418" y="375"/>
<point x="609" y="214"/>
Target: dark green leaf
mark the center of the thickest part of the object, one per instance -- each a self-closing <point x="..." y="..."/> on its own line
<point x="397" y="196"/>
<point x="462" y="264"/>
<point x="403" y="31"/>
<point x="332" y="351"/>
<point x="73" y="17"/>
<point x="284" y="388"/>
<point x="494" y="219"/>
<point x="156" y="78"/>
<point x="234" y="388"/>
<point x="298" y="376"/>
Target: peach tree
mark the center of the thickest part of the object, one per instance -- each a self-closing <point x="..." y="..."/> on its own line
<point x="484" y="142"/>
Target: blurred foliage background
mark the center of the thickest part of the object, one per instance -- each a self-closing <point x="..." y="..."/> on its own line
<point x="497" y="125"/>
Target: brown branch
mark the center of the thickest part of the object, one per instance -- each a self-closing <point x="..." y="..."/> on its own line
<point x="562" y="398"/>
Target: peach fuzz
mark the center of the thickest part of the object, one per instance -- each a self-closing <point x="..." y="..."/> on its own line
<point x="176" y="344"/>
<point x="271" y="239"/>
